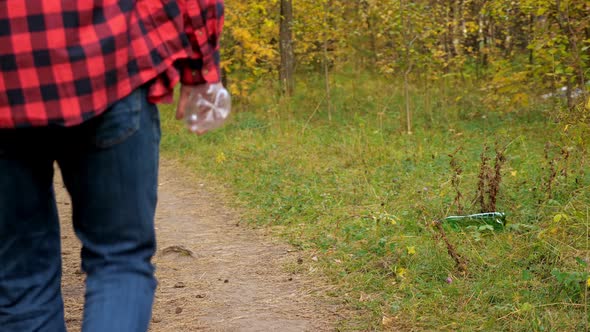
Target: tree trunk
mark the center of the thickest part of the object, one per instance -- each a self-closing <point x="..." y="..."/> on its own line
<point x="481" y="38"/>
<point x="286" y="71"/>
<point x="366" y="7"/>
<point x="531" y="37"/>
<point x="457" y="9"/>
<point x="327" y="60"/>
<point x="406" y="29"/>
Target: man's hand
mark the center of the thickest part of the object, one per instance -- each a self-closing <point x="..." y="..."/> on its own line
<point x="185" y="92"/>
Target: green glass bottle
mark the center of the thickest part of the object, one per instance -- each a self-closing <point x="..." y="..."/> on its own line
<point x="495" y="219"/>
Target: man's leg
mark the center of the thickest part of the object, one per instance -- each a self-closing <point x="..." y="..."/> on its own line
<point x="30" y="258"/>
<point x="113" y="186"/>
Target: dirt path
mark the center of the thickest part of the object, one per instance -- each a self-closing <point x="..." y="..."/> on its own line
<point x="214" y="275"/>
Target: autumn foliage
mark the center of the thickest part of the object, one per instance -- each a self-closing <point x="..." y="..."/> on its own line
<point x="516" y="47"/>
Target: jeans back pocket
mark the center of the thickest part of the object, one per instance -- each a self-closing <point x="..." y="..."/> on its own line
<point x="120" y="121"/>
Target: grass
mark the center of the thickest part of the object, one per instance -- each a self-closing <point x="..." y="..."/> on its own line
<point x="363" y="195"/>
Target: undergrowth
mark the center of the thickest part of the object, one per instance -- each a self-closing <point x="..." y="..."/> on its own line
<point x="363" y="197"/>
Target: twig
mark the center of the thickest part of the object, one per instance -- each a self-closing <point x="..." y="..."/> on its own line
<point x="459" y="261"/>
<point x="311" y="116"/>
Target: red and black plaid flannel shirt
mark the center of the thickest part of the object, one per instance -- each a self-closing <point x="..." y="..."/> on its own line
<point x="63" y="62"/>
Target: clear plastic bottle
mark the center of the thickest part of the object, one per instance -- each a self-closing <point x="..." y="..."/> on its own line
<point x="207" y="108"/>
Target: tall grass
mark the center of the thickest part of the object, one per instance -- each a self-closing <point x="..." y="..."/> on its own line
<point x="363" y="196"/>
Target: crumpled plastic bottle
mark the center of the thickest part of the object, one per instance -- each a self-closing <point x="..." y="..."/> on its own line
<point x="207" y="108"/>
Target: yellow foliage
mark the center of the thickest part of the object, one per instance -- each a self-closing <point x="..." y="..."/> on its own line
<point x="426" y="36"/>
<point x="220" y="158"/>
<point x="401" y="272"/>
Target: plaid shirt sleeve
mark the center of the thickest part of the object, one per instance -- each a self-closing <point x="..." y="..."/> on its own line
<point x="203" y="25"/>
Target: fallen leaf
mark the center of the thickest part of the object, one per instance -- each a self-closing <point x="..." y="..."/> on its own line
<point x="401" y="272"/>
<point x="220" y="158"/>
<point x="387" y="322"/>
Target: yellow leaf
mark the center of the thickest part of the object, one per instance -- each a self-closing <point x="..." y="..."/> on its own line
<point x="401" y="272"/>
<point x="411" y="250"/>
<point x="220" y="158"/>
<point x="588" y="282"/>
<point x="541" y="11"/>
<point x="513" y="173"/>
<point x="558" y="217"/>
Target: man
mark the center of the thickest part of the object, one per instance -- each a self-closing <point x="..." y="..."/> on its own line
<point x="78" y="84"/>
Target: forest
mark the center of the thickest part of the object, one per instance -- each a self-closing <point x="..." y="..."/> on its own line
<point x="515" y="47"/>
<point x="359" y="127"/>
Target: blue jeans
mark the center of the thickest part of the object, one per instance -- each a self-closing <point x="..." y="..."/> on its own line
<point x="109" y="166"/>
